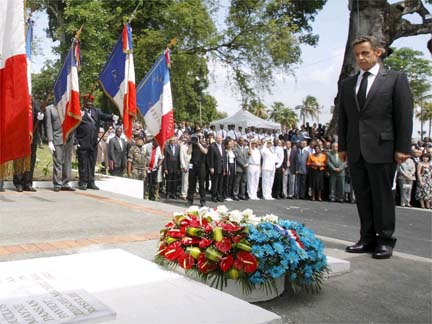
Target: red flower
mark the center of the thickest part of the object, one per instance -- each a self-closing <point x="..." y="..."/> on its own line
<point x="237" y="238"/>
<point x="204" y="243"/>
<point x="224" y="246"/>
<point x="186" y="261"/>
<point x="190" y="240"/>
<point x="173" y="251"/>
<point x="208" y="228"/>
<point x="226" y="263"/>
<point x="245" y="261"/>
<point x="177" y="233"/>
<point x="169" y="224"/>
<point x="204" y="265"/>
<point x="230" y="227"/>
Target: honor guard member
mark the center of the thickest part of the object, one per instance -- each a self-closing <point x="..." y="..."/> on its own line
<point x="137" y="159"/>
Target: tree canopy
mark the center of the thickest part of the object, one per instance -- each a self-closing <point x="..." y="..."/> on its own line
<point x="257" y="38"/>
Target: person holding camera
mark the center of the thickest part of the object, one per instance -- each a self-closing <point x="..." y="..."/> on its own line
<point x="197" y="167"/>
<point x="217" y="167"/>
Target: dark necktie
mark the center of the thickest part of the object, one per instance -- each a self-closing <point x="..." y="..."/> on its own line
<point x="361" y="94"/>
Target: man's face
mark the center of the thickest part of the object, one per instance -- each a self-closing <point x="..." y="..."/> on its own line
<point x="89" y="104"/>
<point x="366" y="56"/>
<point x="335" y="147"/>
<point x="118" y="132"/>
<point x="288" y="145"/>
<point x="303" y="144"/>
<point x="219" y="139"/>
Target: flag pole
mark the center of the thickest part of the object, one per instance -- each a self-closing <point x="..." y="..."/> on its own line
<point x="132" y="16"/>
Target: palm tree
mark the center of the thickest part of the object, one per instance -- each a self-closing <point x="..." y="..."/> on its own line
<point x="257" y="108"/>
<point x="288" y="118"/>
<point x="426" y="115"/>
<point x="309" y="107"/>
<point x="422" y="112"/>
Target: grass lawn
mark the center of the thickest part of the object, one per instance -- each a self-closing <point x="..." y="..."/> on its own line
<point x="43" y="166"/>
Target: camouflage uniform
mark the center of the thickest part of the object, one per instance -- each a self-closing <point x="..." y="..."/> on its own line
<point x="137" y="156"/>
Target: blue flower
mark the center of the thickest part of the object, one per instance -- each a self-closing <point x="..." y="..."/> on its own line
<point x="277" y="272"/>
<point x="257" y="251"/>
<point x="256" y="278"/>
<point x="278" y="247"/>
<point x="268" y="249"/>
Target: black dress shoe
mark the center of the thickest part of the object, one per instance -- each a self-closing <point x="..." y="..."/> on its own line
<point x="236" y="198"/>
<point x="383" y="252"/>
<point x="67" y="188"/>
<point x="214" y="200"/>
<point x="56" y="189"/>
<point x="360" y="247"/>
<point x="202" y="203"/>
<point x="19" y="188"/>
<point x="221" y="199"/>
<point x="30" y="188"/>
<point x="190" y="202"/>
<point x="82" y="186"/>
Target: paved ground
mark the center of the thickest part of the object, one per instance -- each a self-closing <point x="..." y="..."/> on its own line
<point x="385" y="291"/>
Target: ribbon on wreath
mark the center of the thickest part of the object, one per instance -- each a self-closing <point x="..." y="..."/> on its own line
<point x="291" y="234"/>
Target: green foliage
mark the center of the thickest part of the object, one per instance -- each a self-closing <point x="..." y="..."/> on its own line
<point x="309" y="107"/>
<point x="283" y="115"/>
<point x="256" y="107"/>
<point x="417" y="69"/>
<point x="258" y="37"/>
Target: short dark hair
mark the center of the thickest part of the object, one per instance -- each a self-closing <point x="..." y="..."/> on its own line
<point x="366" y="39"/>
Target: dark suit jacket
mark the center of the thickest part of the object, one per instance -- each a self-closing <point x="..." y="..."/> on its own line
<point x="171" y="161"/>
<point x="293" y="159"/>
<point x="383" y="126"/>
<point x="117" y="153"/>
<point x="87" y="131"/>
<point x="215" y="160"/>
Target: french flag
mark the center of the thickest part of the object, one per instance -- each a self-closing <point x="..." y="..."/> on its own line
<point x="66" y="91"/>
<point x="15" y="103"/>
<point x="154" y="100"/>
<point x="118" y="79"/>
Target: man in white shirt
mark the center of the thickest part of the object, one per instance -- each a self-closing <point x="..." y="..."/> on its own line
<point x="268" y="168"/>
<point x="253" y="170"/>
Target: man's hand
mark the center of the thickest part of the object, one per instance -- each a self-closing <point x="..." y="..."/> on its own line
<point x="401" y="157"/>
<point x="51" y="147"/>
<point x="342" y="156"/>
<point x="40" y="116"/>
<point x="211" y="171"/>
<point x="115" y="118"/>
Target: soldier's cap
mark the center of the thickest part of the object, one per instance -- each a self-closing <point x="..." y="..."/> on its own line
<point x="88" y="97"/>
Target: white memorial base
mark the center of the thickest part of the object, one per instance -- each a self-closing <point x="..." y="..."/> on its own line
<point x="123" y="288"/>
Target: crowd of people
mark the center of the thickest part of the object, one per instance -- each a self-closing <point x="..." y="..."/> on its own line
<point x="220" y="164"/>
<point x="239" y="164"/>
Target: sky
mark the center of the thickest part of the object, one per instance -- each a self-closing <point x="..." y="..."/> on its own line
<point x="317" y="74"/>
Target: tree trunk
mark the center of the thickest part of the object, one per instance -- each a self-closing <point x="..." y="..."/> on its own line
<point x="384" y="21"/>
<point x="430" y="127"/>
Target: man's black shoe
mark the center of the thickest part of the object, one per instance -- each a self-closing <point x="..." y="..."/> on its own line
<point x="214" y="199"/>
<point x="82" y="186"/>
<point x="67" y="188"/>
<point x="360" y="247"/>
<point x="56" y="189"/>
<point x="92" y="186"/>
<point x="383" y="252"/>
<point x="236" y="198"/>
<point x="30" y="188"/>
<point x="190" y="202"/>
<point x="221" y="199"/>
<point x="19" y="188"/>
<point x="202" y="203"/>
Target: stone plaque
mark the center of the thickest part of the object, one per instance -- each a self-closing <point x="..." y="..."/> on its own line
<point x="40" y="298"/>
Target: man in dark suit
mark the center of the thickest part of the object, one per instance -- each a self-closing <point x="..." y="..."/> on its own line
<point x="117" y="154"/>
<point x="217" y="167"/>
<point x="171" y="167"/>
<point x="375" y="126"/>
<point x="87" y="137"/>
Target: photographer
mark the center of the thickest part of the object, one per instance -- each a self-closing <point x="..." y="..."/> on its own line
<point x="197" y="167"/>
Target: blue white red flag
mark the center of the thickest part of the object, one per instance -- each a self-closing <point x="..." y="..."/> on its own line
<point x="154" y="100"/>
<point x="118" y="79"/>
<point x="15" y="104"/>
<point x="66" y="91"/>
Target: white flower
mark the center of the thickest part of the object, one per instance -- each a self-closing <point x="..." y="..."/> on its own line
<point x="222" y="209"/>
<point x="193" y="209"/>
<point x="271" y="218"/>
<point x="248" y="213"/>
<point x="254" y="220"/>
<point x="215" y="216"/>
<point x="177" y="214"/>
<point x="235" y="216"/>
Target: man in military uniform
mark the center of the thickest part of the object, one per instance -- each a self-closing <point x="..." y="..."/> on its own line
<point x="137" y="159"/>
